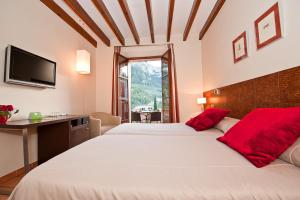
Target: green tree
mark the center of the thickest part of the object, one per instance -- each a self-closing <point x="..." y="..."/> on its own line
<point x="155" y="104"/>
<point x="146" y="85"/>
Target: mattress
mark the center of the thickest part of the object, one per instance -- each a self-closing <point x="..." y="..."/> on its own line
<point x="186" y="166"/>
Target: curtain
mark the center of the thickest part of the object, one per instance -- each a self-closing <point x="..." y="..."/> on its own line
<point x="115" y="72"/>
<point x="174" y="111"/>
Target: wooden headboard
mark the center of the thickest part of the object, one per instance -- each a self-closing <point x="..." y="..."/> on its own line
<point x="280" y="89"/>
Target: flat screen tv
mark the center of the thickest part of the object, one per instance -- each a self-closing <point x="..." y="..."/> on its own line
<point x="22" y="67"/>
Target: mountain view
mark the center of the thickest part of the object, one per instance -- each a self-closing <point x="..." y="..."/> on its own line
<point x="146" y="85"/>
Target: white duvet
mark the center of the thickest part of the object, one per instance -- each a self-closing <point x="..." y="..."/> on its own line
<point x="180" y="166"/>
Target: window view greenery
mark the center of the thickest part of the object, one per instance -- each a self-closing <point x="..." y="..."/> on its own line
<point x="146" y="86"/>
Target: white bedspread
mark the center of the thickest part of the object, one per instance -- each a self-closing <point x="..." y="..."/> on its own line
<point x="148" y="167"/>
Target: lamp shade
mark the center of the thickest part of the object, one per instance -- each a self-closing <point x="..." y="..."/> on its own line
<point x="201" y="100"/>
<point x="83" y="62"/>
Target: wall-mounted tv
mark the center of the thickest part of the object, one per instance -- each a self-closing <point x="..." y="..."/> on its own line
<point x="24" y="68"/>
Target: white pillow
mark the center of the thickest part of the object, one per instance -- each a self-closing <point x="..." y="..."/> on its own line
<point x="225" y="124"/>
<point x="292" y="154"/>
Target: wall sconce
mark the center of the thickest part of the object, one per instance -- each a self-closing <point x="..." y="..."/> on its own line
<point x="83" y="62"/>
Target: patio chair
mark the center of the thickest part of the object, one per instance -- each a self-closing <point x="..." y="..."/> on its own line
<point x="136" y="117"/>
<point x="155" y="117"/>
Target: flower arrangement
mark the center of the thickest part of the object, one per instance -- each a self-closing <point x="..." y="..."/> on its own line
<point x="6" y="111"/>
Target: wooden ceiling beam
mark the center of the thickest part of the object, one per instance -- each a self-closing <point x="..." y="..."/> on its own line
<point x="99" y="4"/>
<point x="191" y="19"/>
<point x="128" y="16"/>
<point x="77" y="8"/>
<point x="211" y="17"/>
<point x="170" y="19"/>
<point x="150" y="19"/>
<point x="69" y="20"/>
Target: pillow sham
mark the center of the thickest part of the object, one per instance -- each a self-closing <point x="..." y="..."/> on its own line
<point x="227" y="123"/>
<point x="264" y="134"/>
<point x="292" y="154"/>
<point x="207" y="119"/>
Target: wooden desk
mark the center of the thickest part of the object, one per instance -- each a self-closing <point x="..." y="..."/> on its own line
<point x="55" y="135"/>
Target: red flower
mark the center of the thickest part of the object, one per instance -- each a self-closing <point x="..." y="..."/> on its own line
<point x="3" y="119"/>
<point x="9" y="107"/>
<point x="3" y="108"/>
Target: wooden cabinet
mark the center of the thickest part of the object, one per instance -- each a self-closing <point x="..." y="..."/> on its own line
<point x="54" y="139"/>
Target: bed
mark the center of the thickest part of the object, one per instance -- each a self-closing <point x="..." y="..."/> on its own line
<point x="161" y="161"/>
<point x="158" y="129"/>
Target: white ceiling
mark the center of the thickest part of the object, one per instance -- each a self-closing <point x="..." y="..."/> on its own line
<point x="138" y="10"/>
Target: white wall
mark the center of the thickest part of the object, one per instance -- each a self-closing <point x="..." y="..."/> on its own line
<point x="104" y="78"/>
<point x="32" y="26"/>
<point x="235" y="17"/>
<point x="189" y="75"/>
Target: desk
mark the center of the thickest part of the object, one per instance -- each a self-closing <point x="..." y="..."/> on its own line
<point x="55" y="135"/>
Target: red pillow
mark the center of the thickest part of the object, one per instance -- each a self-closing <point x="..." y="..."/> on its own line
<point x="208" y="119"/>
<point x="264" y="134"/>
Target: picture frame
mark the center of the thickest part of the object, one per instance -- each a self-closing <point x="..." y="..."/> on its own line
<point x="268" y="27"/>
<point x="239" y="46"/>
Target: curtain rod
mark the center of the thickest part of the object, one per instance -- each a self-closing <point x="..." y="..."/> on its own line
<point x="143" y="45"/>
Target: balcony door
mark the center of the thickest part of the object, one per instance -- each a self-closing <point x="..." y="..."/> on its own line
<point x="166" y="110"/>
<point x="123" y="89"/>
<point x="121" y="86"/>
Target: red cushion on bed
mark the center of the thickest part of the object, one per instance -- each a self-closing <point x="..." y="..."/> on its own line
<point x="264" y="134"/>
<point x="208" y="119"/>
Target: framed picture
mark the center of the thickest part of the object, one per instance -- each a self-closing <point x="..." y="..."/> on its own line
<point x="268" y="27"/>
<point x="239" y="46"/>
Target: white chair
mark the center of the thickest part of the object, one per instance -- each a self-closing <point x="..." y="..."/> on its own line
<point x="101" y="122"/>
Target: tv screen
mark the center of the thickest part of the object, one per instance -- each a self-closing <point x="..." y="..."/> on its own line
<point x="26" y="68"/>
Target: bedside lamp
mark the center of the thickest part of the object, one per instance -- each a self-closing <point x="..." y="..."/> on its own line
<point x="201" y="101"/>
<point x="83" y="62"/>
